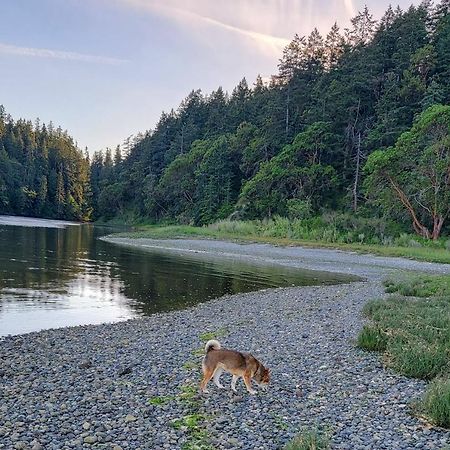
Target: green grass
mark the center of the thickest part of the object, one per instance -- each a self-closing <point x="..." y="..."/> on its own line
<point x="208" y="335"/>
<point x="436" y="403"/>
<point x="160" y="400"/>
<point x="310" y="233"/>
<point x="413" y="331"/>
<point x="371" y="338"/>
<point x="309" y="440"/>
<point x="420" y="286"/>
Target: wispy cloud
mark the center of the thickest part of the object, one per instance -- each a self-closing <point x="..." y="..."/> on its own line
<point x="57" y="54"/>
<point x="267" y="25"/>
<point x="350" y="8"/>
<point x="181" y="12"/>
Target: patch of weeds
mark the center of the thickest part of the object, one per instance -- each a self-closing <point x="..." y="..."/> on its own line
<point x="160" y="400"/>
<point x="193" y="425"/>
<point x="371" y="338"/>
<point x="418" y="358"/>
<point x="208" y="335"/>
<point x="280" y="422"/>
<point x="191" y="421"/>
<point x="190" y="365"/>
<point x="309" y="440"/>
<point x="188" y="395"/>
<point x="436" y="403"/>
<point x="198" y="351"/>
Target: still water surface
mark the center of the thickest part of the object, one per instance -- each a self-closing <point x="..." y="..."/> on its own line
<point x="52" y="275"/>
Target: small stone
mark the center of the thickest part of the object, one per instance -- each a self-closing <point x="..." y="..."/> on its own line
<point x="86" y="426"/>
<point x="85" y="365"/>
<point x="125" y="371"/>
<point x="20" y="445"/>
<point x="90" y="439"/>
<point x="130" y="418"/>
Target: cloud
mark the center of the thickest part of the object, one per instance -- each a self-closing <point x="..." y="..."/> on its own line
<point x="266" y="26"/>
<point x="190" y="15"/>
<point x="349" y="7"/>
<point x="57" y="54"/>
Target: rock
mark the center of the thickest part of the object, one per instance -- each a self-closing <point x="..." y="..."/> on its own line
<point x="125" y="371"/>
<point x="130" y="418"/>
<point x="85" y="365"/>
<point x="90" y="439"/>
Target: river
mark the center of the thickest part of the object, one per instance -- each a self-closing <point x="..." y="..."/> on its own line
<point x="55" y="274"/>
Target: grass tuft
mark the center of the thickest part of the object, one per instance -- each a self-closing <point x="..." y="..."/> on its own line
<point x="372" y="338"/>
<point x="309" y="440"/>
<point x="160" y="400"/>
<point x="436" y="403"/>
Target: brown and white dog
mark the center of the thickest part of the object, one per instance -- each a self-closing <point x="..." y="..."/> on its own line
<point x="218" y="359"/>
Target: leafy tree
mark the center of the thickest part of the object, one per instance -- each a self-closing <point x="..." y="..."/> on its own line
<point x="415" y="174"/>
<point x="296" y="173"/>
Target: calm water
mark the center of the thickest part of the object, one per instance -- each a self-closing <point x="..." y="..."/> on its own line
<point x="54" y="277"/>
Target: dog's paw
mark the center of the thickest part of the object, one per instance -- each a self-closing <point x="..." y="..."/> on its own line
<point x="252" y="392"/>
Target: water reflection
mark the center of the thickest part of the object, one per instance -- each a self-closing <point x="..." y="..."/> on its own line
<point x="53" y="277"/>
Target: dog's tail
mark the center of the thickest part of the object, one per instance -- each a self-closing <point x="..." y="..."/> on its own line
<point x="212" y="345"/>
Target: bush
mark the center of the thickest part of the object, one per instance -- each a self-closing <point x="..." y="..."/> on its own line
<point x="436" y="403"/>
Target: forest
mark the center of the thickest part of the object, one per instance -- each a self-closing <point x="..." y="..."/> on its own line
<point x="356" y="122"/>
<point x="42" y="172"/>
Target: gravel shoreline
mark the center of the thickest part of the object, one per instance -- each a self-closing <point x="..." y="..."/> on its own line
<point x="131" y="385"/>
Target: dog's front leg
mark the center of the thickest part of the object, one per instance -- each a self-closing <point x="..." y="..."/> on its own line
<point x="233" y="383"/>
<point x="248" y="384"/>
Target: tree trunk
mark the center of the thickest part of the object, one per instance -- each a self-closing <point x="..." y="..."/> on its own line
<point x="357" y="170"/>
<point x="438" y="222"/>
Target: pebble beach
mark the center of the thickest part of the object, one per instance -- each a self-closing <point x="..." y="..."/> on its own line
<point x="133" y="384"/>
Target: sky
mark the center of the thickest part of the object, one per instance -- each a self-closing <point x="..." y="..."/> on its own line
<point x="106" y="69"/>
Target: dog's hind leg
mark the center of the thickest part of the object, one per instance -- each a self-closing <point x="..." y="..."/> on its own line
<point x="217" y="375"/>
<point x="207" y="375"/>
<point x="233" y="383"/>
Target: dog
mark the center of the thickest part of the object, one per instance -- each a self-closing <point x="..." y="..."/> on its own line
<point x="218" y="359"/>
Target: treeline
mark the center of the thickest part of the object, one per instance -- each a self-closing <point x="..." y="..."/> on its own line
<point x="42" y="172"/>
<point x="350" y="123"/>
<point x="295" y="146"/>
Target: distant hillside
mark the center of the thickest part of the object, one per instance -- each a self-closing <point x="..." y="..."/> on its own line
<point x="42" y="173"/>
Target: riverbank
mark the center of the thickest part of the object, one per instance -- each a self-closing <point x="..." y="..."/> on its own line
<point x="133" y="384"/>
<point x="244" y="232"/>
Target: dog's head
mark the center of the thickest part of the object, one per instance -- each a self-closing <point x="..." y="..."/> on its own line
<point x="262" y="377"/>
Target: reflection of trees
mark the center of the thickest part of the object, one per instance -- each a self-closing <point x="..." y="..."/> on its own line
<point x="41" y="257"/>
<point x="160" y="281"/>
<point x="72" y="262"/>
